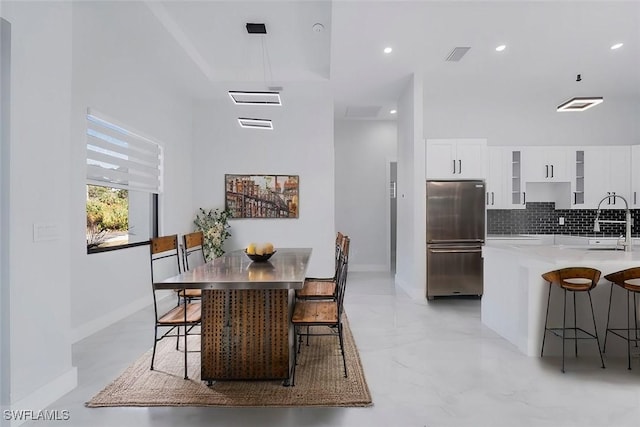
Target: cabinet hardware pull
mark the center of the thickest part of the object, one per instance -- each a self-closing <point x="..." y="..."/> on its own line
<point x="575" y="197"/>
<point x="487" y="198"/>
<point x="524" y="198"/>
<point x="634" y="198"/>
<point x="459" y="166"/>
<point x="613" y="193"/>
<point x="551" y="171"/>
<point x="493" y="201"/>
<point x="546" y="173"/>
<point x="454" y="166"/>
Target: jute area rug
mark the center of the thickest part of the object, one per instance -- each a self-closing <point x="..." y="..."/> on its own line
<point x="319" y="380"/>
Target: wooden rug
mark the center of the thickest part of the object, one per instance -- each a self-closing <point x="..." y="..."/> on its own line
<point x="319" y="380"/>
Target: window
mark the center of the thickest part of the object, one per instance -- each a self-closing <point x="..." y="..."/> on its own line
<point x="124" y="178"/>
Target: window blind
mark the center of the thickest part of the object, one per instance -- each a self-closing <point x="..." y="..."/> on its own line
<point x="120" y="158"/>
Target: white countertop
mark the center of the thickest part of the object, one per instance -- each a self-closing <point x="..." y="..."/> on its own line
<point x="564" y="254"/>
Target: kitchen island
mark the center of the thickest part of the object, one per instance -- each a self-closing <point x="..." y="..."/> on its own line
<point x="515" y="295"/>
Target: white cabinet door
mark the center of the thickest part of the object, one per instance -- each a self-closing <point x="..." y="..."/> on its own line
<point x="635" y="176"/>
<point x="514" y="190"/>
<point x="441" y="159"/>
<point x="455" y="158"/>
<point x="546" y="164"/>
<point x="471" y="157"/>
<point x="620" y="174"/>
<point x="607" y="171"/>
<point x="496" y="178"/>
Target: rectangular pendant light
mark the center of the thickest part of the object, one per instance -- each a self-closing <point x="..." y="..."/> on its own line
<point x="579" y="104"/>
<point x="255" y="123"/>
<point x="255" y="98"/>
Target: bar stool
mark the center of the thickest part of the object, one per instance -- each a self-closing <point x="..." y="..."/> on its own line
<point x="572" y="279"/>
<point x="628" y="280"/>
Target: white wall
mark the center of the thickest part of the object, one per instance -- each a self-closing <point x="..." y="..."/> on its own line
<point x="117" y="74"/>
<point x="301" y="143"/>
<point x="411" y="245"/>
<point x="5" y="318"/>
<point x="40" y="347"/>
<point x="363" y="150"/>
<point x="506" y="119"/>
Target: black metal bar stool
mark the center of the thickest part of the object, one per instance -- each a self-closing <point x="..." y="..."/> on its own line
<point x="628" y="280"/>
<point x="572" y="279"/>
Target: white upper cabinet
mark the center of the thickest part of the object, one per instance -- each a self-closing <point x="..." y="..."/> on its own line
<point x="546" y="164"/>
<point x="635" y="176"/>
<point x="456" y="158"/>
<point x="504" y="181"/>
<point x="607" y="171"/>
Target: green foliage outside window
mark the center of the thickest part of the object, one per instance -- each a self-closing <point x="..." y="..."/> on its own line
<point x="107" y="212"/>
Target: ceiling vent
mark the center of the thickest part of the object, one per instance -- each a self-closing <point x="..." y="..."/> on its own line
<point x="256" y="28"/>
<point x="457" y="53"/>
<point x="365" y="112"/>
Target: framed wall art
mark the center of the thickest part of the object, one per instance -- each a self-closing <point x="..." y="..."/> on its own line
<point x="262" y="196"/>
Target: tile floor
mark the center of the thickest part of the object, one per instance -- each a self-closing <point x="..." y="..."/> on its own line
<point x="427" y="365"/>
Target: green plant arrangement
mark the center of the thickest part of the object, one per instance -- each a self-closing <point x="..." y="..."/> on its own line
<point x="214" y="226"/>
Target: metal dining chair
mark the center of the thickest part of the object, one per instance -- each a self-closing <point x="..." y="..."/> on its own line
<point x="192" y="243"/>
<point x="185" y="315"/>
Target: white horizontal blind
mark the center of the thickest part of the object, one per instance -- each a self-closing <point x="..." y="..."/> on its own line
<point x="120" y="158"/>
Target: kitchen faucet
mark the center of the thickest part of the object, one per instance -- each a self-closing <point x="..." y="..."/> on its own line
<point x="627" y="238"/>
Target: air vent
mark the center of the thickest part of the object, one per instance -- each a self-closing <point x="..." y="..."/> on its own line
<point x="362" y="112"/>
<point x="256" y="28"/>
<point x="457" y="53"/>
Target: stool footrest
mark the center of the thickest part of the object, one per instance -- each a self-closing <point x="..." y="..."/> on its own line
<point x="585" y="334"/>
<point x="636" y="331"/>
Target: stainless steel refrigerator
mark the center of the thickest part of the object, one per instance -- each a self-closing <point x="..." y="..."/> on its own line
<point x="455" y="235"/>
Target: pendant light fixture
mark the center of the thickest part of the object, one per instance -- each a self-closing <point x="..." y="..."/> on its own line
<point x="579" y="103"/>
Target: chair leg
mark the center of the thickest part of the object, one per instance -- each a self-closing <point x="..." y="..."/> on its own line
<point x="564" y="326"/>
<point x="575" y="326"/>
<point x="344" y="358"/>
<point x="186" y="377"/>
<point x="628" y="332"/>
<point x="295" y="355"/>
<point x="155" y="342"/>
<point x="606" y="331"/>
<point x="178" y="338"/>
<point x="635" y="316"/>
<point x="595" y="328"/>
<point x="544" y="332"/>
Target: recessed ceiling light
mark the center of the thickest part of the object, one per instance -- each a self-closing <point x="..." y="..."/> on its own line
<point x="393" y="111"/>
<point x="255" y="98"/>
<point x="579" y="104"/>
<point x="255" y="123"/>
<point x="387" y="50"/>
<point x="617" y="46"/>
<point x="501" y="47"/>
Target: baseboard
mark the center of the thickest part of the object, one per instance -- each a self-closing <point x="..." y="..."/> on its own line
<point x="108" y="319"/>
<point x="368" y="267"/>
<point x="30" y="407"/>
<point x="414" y="293"/>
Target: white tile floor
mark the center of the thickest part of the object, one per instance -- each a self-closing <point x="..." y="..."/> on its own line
<point x="427" y="364"/>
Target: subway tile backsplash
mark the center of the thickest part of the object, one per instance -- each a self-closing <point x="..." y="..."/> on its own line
<point x="543" y="218"/>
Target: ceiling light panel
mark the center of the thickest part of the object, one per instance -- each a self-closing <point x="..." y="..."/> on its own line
<point x="579" y="104"/>
<point x="255" y="123"/>
<point x="255" y="98"/>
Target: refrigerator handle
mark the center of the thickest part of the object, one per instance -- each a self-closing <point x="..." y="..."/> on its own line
<point x="454" y="251"/>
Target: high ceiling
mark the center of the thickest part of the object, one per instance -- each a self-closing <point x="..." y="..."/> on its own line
<point x="548" y="43"/>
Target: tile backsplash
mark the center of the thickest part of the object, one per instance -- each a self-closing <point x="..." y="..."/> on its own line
<point x="543" y="218"/>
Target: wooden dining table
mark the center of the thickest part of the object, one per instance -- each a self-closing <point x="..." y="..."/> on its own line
<point x="246" y="332"/>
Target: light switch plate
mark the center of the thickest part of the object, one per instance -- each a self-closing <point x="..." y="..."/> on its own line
<point x="561" y="220"/>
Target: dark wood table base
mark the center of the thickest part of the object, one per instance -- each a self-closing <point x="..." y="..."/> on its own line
<point x="245" y="334"/>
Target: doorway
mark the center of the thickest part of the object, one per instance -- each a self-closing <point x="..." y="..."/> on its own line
<point x="393" y="209"/>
